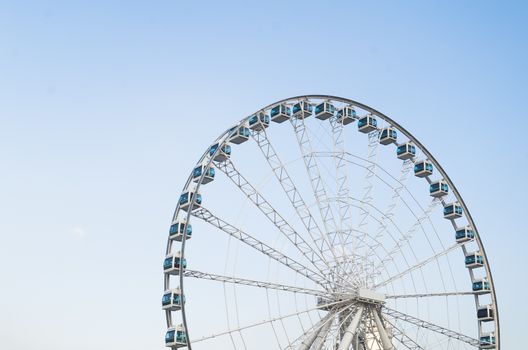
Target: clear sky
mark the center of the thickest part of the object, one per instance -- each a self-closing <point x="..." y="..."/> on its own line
<point x="106" y="105"/>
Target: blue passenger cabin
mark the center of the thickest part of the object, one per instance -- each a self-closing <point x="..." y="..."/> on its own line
<point x="302" y="110"/>
<point x="209" y="174"/>
<point x="423" y="168"/>
<point x="485" y="313"/>
<point x="388" y="136"/>
<point x="406" y="151"/>
<point x="367" y="124"/>
<point x="223" y="153"/>
<point x="453" y="211"/>
<point x="176" y="230"/>
<point x="176" y="337"/>
<point x="240" y="135"/>
<point x="438" y="188"/>
<point x="487" y="341"/>
<point x="259" y="121"/>
<point x="324" y="110"/>
<point x="346" y="115"/>
<point x="172" y="300"/>
<point x="474" y="260"/>
<point x="173" y="263"/>
<point x="280" y="113"/>
<point x="464" y="234"/>
<point x="481" y="286"/>
<point x="187" y="197"/>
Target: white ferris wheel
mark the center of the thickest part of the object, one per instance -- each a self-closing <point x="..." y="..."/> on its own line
<point x="320" y="223"/>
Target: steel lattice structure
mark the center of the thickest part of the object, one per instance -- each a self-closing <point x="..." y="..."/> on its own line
<point x="320" y="238"/>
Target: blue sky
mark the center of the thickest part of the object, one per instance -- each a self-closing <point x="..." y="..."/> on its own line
<point x="106" y="105"/>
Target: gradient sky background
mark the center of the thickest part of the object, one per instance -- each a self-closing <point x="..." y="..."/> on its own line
<point x="105" y="106"/>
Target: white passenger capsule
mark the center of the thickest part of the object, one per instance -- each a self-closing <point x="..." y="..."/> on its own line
<point x="240" y="135"/>
<point x="388" y="136"/>
<point x="172" y="300"/>
<point x="208" y="176"/>
<point x="464" y="234"/>
<point x="259" y="121"/>
<point x="438" y="188"/>
<point x="423" y="168"/>
<point x="176" y="337"/>
<point x="346" y="115"/>
<point x="302" y="110"/>
<point x="367" y="124"/>
<point x="453" y="211"/>
<point x="176" y="230"/>
<point x="187" y="197"/>
<point x="406" y="151"/>
<point x="481" y="286"/>
<point x="223" y="154"/>
<point x="280" y="113"/>
<point x="487" y="340"/>
<point x="324" y="110"/>
<point x="173" y="264"/>
<point x="474" y="260"/>
<point x="485" y="313"/>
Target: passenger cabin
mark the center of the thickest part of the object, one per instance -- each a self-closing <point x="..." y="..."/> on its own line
<point x="481" y="286"/>
<point x="487" y="341"/>
<point x="485" y="313"/>
<point x="346" y="115"/>
<point x="172" y="300"/>
<point x="324" y="110"/>
<point x="209" y="174"/>
<point x="259" y="121"/>
<point x="474" y="260"/>
<point x="240" y="135"/>
<point x="173" y="263"/>
<point x="302" y="110"/>
<point x="464" y="234"/>
<point x="223" y="154"/>
<point x="176" y="230"/>
<point x="187" y="197"/>
<point x="176" y="337"/>
<point x="406" y="151"/>
<point x="423" y="168"/>
<point x="280" y="113"/>
<point x="367" y="124"/>
<point x="388" y="136"/>
<point x="438" y="188"/>
<point x="453" y="211"/>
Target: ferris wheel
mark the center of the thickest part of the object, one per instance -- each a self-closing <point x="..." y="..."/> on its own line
<point x="320" y="223"/>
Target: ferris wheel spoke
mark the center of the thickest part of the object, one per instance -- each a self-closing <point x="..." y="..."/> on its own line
<point x="389" y="213"/>
<point x="295" y="198"/>
<point x="260" y="246"/>
<point x="343" y="188"/>
<point x="370" y="172"/>
<point x="264" y="322"/>
<point x="316" y="181"/>
<point x="427" y="295"/>
<point x="402" y="337"/>
<point x="253" y="283"/>
<point x="228" y="168"/>
<point x="418" y="265"/>
<point x="431" y="326"/>
<point x="406" y="238"/>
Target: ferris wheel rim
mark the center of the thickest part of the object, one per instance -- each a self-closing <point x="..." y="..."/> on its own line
<point x="226" y="134"/>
